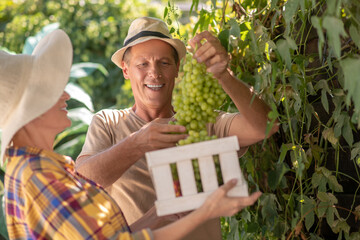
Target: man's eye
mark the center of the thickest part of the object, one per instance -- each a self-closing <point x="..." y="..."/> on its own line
<point x="142" y="65"/>
<point x="165" y="63"/>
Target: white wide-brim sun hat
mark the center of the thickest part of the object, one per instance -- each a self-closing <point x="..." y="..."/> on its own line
<point x="144" y="29"/>
<point x="31" y="84"/>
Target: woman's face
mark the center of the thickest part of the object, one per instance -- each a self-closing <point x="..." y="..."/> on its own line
<point x="55" y="119"/>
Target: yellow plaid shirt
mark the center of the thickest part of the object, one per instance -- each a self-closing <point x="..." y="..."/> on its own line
<point x="46" y="199"/>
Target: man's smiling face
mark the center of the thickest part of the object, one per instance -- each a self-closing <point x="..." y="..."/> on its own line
<point x="152" y="69"/>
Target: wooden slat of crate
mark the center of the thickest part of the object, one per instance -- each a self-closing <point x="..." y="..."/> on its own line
<point x="163" y="182"/>
<point x="208" y="173"/>
<point x="240" y="190"/>
<point x="180" y="204"/>
<point x="186" y="178"/>
<point x="191" y="151"/>
<point x="231" y="169"/>
<point x="187" y="203"/>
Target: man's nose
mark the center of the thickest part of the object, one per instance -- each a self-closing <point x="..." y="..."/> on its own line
<point x="154" y="72"/>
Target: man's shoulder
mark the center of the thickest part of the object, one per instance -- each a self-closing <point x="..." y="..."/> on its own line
<point x="106" y="112"/>
<point x="113" y="114"/>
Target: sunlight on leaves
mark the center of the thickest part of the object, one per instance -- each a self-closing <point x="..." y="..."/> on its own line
<point x="81" y="114"/>
<point x="80" y="95"/>
<point x="84" y="69"/>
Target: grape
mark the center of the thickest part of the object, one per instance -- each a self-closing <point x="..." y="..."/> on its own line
<point x="196" y="97"/>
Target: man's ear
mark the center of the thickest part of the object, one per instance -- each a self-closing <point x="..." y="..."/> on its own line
<point x="125" y="70"/>
<point x="177" y="69"/>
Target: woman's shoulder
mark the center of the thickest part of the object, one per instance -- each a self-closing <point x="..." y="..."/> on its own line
<point x="25" y="163"/>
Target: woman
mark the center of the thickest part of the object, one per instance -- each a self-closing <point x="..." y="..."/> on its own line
<point x="44" y="197"/>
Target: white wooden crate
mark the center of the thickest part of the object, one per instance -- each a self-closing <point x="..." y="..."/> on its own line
<point x="159" y="166"/>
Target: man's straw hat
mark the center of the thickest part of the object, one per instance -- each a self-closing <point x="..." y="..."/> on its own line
<point x="31" y="84"/>
<point x="144" y="29"/>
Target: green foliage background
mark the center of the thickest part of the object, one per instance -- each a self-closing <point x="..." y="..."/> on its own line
<point x="97" y="29"/>
<point x="302" y="56"/>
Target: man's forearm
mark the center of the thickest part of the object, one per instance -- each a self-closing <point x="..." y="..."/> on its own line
<point x="106" y="167"/>
<point x="253" y="109"/>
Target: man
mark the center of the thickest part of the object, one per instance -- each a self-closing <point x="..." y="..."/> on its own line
<point x="117" y="140"/>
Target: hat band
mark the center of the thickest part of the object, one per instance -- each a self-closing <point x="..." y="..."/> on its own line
<point x="145" y="34"/>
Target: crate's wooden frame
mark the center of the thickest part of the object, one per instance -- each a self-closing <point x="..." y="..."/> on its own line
<point x="159" y="166"/>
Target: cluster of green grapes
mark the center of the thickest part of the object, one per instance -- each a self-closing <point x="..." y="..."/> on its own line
<point x="198" y="95"/>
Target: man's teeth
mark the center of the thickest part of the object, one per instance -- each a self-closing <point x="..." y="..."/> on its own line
<point x="154" y="86"/>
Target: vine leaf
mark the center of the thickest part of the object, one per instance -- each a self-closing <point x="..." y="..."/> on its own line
<point x="339" y="125"/>
<point x="317" y="24"/>
<point x="332" y="7"/>
<point x="194" y="5"/>
<point x="316" y="179"/>
<point x="326" y="206"/>
<point x="328" y="134"/>
<point x="269" y="208"/>
<point x="284" y="46"/>
<point x="290" y="11"/>
<point x="330" y="216"/>
<point x="320" y="178"/>
<point x="276" y="175"/>
<point x="309" y="220"/>
<point x="357" y="213"/>
<point x="347" y="132"/>
<point x="322" y="84"/>
<point x="224" y="37"/>
<point x="303" y="6"/>
<point x="325" y="171"/>
<point x="309" y="111"/>
<point x="274" y="4"/>
<point x="355" y="151"/>
<point x="283" y="150"/>
<point x="334" y="184"/>
<point x="334" y="28"/>
<point x="351" y="71"/>
<point x="234" y="229"/>
<point x="324" y="100"/>
<point x="234" y="28"/>
<point x="166" y="10"/>
<point x="308" y="211"/>
<point x="291" y="42"/>
<point x="341" y="225"/>
<point x="322" y="207"/>
<point x="355" y="35"/>
<point x="343" y="126"/>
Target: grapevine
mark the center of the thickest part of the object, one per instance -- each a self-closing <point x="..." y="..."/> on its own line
<point x="199" y="94"/>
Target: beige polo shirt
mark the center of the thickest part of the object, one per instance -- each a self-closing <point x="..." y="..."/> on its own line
<point x="134" y="191"/>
